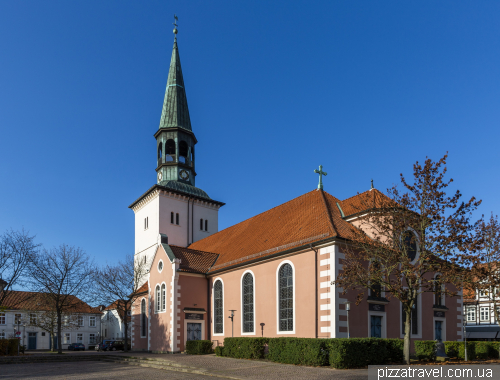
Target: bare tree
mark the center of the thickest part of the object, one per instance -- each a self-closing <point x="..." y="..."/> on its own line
<point x="63" y="273"/>
<point x="118" y="285"/>
<point x="404" y="239"/>
<point x="486" y="273"/>
<point x="16" y="250"/>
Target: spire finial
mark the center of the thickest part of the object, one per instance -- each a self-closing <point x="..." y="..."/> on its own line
<point x="175" y="26"/>
<point x="372" y="186"/>
<point x="321" y="174"/>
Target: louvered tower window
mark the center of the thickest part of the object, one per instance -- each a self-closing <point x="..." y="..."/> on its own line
<point x="248" y="305"/>
<point x="286" y="297"/>
<point x="218" y="308"/>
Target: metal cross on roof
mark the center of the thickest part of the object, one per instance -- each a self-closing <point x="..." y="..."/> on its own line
<point x="321" y="174"/>
<point x="175" y="24"/>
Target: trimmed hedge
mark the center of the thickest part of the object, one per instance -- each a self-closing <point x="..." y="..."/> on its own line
<point x="301" y="351"/>
<point x="219" y="351"/>
<point x="245" y="348"/>
<point x="9" y="346"/>
<point x="360" y="352"/>
<point x="456" y="350"/>
<point x="199" y="347"/>
<point x="425" y="349"/>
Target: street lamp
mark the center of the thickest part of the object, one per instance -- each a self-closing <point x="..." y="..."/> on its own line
<point x="232" y="316"/>
<point x="347" y="308"/>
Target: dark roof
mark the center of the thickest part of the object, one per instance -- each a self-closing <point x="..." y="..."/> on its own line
<point x="193" y="260"/>
<point x="310" y="218"/>
<point x="18" y="300"/>
<point x="175" y="112"/>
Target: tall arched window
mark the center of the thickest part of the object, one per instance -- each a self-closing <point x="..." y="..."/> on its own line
<point x="158" y="299"/>
<point x="438" y="294"/>
<point x="375" y="288"/>
<point x="248" y="303"/>
<point x="218" y="308"/>
<point x="143" y="317"/>
<point x="170" y="150"/>
<point x="160" y="155"/>
<point x="286" y="298"/>
<point x="163" y="297"/>
<point x="410" y="244"/>
<point x="183" y="151"/>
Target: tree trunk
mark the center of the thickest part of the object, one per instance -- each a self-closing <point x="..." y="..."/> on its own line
<point x="59" y="337"/>
<point x="407" y="338"/>
<point x="52" y="339"/>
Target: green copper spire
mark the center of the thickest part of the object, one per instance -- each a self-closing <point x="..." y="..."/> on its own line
<point x="175" y="111"/>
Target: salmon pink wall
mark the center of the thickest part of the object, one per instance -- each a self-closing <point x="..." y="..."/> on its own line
<point x="139" y="343"/>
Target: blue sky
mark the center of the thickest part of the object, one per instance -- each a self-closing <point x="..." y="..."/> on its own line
<point x="274" y="90"/>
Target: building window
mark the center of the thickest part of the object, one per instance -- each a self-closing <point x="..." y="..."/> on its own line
<point x="170" y="150"/>
<point x="18" y="319"/>
<point x="471" y="314"/>
<point x="91" y="338"/>
<point x="2" y="318"/>
<point x="158" y="299"/>
<point x="146" y="222"/>
<point x="67" y="338"/>
<point x="79" y="338"/>
<point x="410" y="247"/>
<point x="248" y="303"/>
<point x="286" y="298"/>
<point x="172" y="217"/>
<point x="201" y="224"/>
<point x="160" y="266"/>
<point x="32" y="319"/>
<point x="483" y="293"/>
<point x="413" y="319"/>
<point x="183" y="152"/>
<point x="376" y="326"/>
<point x="80" y="320"/>
<point x="206" y="225"/>
<point x="92" y="321"/>
<point x="177" y="218"/>
<point x="2" y="334"/>
<point x="484" y="313"/>
<point x="375" y="288"/>
<point x="163" y="297"/>
<point x="437" y="291"/>
<point x="143" y="317"/>
<point x="218" y="307"/>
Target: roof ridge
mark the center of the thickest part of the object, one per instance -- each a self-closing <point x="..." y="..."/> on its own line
<point x="328" y="213"/>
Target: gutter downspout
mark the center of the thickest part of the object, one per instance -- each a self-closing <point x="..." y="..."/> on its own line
<point x="316" y="285"/>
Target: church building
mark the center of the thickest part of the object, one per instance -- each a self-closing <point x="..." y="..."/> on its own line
<point x="269" y="275"/>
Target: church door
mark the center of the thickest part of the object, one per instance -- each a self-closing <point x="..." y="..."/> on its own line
<point x="194" y="331"/>
<point x="438" y="329"/>
<point x="376" y="326"/>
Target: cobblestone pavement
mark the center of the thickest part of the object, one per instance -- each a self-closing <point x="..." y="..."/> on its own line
<point x="90" y="370"/>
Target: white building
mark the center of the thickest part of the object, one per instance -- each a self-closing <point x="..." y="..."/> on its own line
<point x="28" y="317"/>
<point x="480" y="322"/>
<point x="112" y="323"/>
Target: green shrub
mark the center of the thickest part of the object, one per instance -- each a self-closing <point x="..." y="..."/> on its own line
<point x="219" y="351"/>
<point x="452" y="348"/>
<point x="482" y="350"/>
<point x="425" y="349"/>
<point x="245" y="348"/>
<point x="300" y="351"/>
<point x="494" y="350"/>
<point x="199" y="347"/>
<point x="471" y="351"/>
<point x="9" y="346"/>
<point x="360" y="352"/>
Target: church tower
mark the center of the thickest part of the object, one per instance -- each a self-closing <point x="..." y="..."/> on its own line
<point x="174" y="211"/>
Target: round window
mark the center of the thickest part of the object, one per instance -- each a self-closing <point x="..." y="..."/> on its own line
<point x="160" y="266"/>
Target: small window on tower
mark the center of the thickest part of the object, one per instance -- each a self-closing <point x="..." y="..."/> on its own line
<point x="183" y="151"/>
<point x="146" y="223"/>
<point x="206" y="225"/>
<point x="177" y="218"/>
<point x="170" y="150"/>
<point x="201" y="224"/>
<point x="172" y="217"/>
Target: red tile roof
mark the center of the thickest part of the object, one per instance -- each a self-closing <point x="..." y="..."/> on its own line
<point x="363" y="201"/>
<point x="193" y="260"/>
<point x="17" y="300"/>
<point x="143" y="289"/>
<point x="309" y="218"/>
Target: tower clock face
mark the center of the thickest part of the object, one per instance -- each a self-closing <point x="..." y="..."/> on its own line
<point x="184" y="175"/>
<point x="160" y="176"/>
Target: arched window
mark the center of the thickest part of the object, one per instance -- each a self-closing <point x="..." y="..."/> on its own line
<point x="163" y="297"/>
<point x="410" y="244"/>
<point x="438" y="294"/>
<point x="375" y="288"/>
<point x="201" y="224"/>
<point x="286" y="298"/>
<point x="170" y="150"/>
<point x="158" y="300"/>
<point x="183" y="151"/>
<point x="160" y="153"/>
<point x="218" y="308"/>
<point x="206" y="225"/>
<point x="248" y="303"/>
<point x="143" y="317"/>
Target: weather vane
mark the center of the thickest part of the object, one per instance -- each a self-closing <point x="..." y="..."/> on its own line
<point x="175" y="25"/>
<point x="321" y="174"/>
